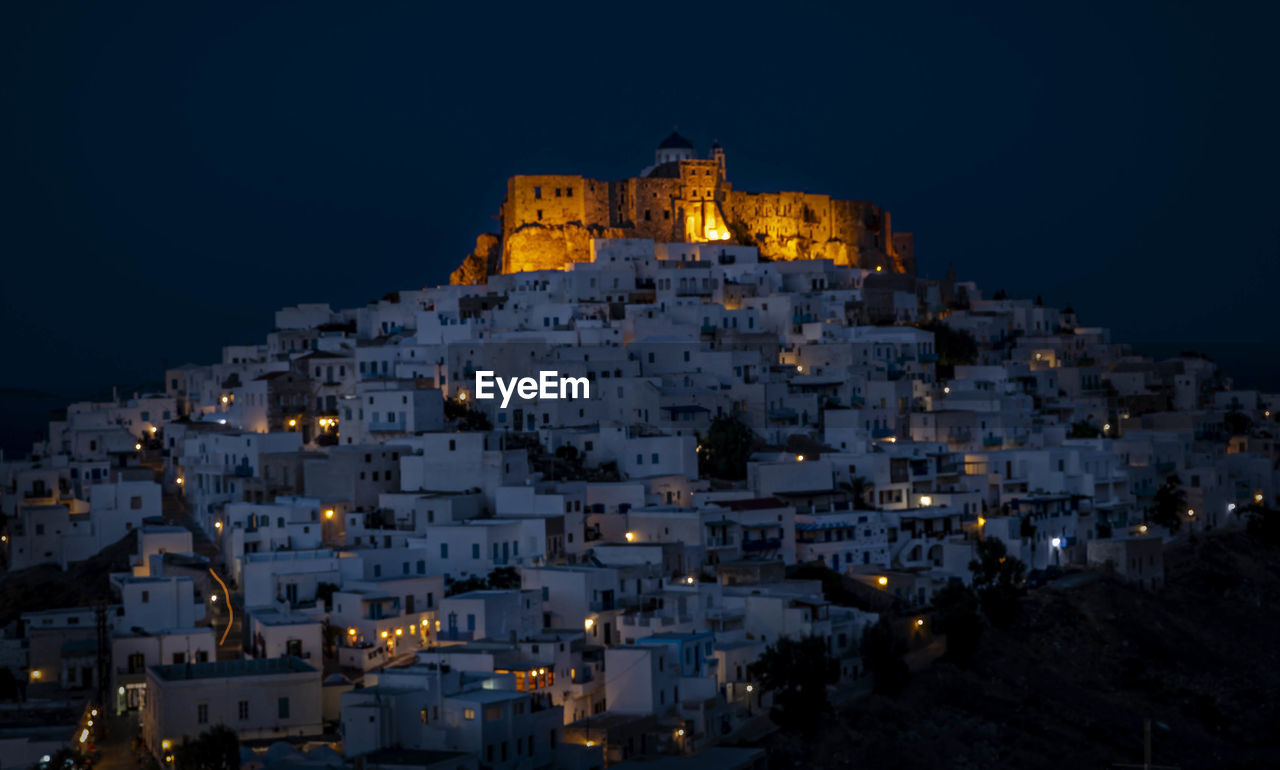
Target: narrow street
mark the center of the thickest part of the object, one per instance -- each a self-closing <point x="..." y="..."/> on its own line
<point x="116" y="743"/>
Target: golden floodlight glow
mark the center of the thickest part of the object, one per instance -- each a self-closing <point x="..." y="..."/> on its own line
<point x="1142" y="528"/>
<point x="879" y="268"/>
<point x="385" y="634"/>
<point x="982" y="521"/>
<point x="631" y="536"/>
<point x="137" y="447"/>
<point x="399" y="632"/>
<point x="589" y="623"/>
<point x="225" y="399"/>
<point x="1257" y="498"/>
<point x="293" y="423"/>
<point x="178" y="480"/>
<point x="799" y="368"/>
<point x="328" y="514"/>
<point x="462" y="396"/>
<point x="919" y="622"/>
<point x="799" y="458"/>
<point x="153" y="429"/>
<point x="882" y="580"/>
<point x="1191" y="511"/>
<point x="926" y="500"/>
<point x="217" y="525"/>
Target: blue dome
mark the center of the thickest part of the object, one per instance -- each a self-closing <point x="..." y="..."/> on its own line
<point x="675" y="142"/>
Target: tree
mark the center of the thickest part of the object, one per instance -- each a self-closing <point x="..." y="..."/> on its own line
<point x="797" y="672"/>
<point x="724" y="451"/>
<point x="464" y="417"/>
<point x="997" y="580"/>
<point x="1084" y="429"/>
<point x="882" y="655"/>
<point x="1169" y="503"/>
<point x="1237" y="423"/>
<point x="324" y="592"/>
<point x="1263" y="524"/>
<point x="504" y="578"/>
<point x="954" y="347"/>
<point x="216" y="749"/>
<point x="956" y="615"/>
<point x="860" y="489"/>
<point x="473" y="583"/>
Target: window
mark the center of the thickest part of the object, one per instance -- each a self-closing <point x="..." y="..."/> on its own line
<point x="469" y="714"/>
<point x="135" y="503"/>
<point x="444" y="550"/>
<point x="242" y="710"/>
<point x="493" y="713"/>
<point x="537" y="193"/>
<point x="475" y="550"/>
<point x="282" y="708"/>
<point x="202" y="714"/>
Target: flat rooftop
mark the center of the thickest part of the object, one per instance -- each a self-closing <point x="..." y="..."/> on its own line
<point x="220" y="669"/>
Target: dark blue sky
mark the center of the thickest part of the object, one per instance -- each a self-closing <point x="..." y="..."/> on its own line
<point x="170" y="176"/>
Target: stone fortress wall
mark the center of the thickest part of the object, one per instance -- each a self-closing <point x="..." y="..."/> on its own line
<point x="548" y="220"/>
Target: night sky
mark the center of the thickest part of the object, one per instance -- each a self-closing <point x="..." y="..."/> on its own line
<point x="170" y="176"/>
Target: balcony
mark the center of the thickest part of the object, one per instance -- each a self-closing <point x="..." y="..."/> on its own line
<point x="763" y="544"/>
<point x="385" y="426"/>
<point x="992" y="441"/>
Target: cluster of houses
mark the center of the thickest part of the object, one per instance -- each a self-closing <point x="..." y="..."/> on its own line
<point x="332" y="541"/>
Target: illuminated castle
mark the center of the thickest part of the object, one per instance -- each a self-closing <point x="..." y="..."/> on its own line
<point x="548" y="221"/>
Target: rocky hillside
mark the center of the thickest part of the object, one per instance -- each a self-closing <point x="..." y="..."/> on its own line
<point x="1071" y="683"/>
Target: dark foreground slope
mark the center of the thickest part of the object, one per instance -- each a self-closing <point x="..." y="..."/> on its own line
<point x="1071" y="683"/>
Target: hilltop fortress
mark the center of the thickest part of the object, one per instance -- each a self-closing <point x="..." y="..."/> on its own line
<point x="548" y="221"/>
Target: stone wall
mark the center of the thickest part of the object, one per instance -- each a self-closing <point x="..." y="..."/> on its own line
<point x="548" y="221"/>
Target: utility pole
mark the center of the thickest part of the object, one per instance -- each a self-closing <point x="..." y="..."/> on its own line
<point x="1146" y="752"/>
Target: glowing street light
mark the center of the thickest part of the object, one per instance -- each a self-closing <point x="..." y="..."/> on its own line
<point x="1056" y="542"/>
<point x="589" y="623"/>
<point x="926" y="501"/>
<point x="882" y="580"/>
<point x="328" y="514"/>
<point x="631" y="536"/>
<point x="799" y="458"/>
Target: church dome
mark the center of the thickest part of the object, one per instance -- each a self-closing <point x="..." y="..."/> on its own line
<point x="675" y="142"/>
